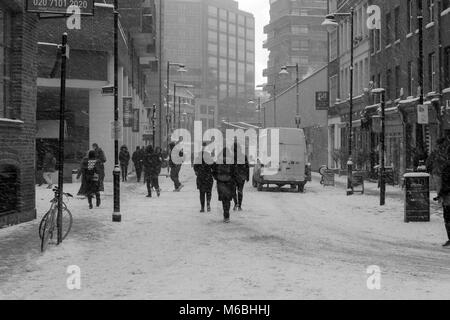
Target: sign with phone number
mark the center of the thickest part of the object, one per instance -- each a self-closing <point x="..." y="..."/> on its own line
<point x="60" y="6"/>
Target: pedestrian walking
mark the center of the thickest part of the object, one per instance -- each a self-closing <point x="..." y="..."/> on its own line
<point x="203" y="171"/>
<point x="437" y="160"/>
<point x="175" y="169"/>
<point x="91" y="169"/>
<point x="49" y="168"/>
<point x="83" y="187"/>
<point x="444" y="198"/>
<point x="100" y="155"/>
<point x="152" y="164"/>
<point x="138" y="163"/>
<point x="225" y="175"/>
<point x="124" y="159"/>
<point x="242" y="175"/>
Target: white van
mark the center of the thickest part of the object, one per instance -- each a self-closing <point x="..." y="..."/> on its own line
<point x="293" y="168"/>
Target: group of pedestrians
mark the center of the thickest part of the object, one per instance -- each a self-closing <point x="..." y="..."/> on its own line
<point x="438" y="165"/>
<point x="230" y="176"/>
<point x="230" y="173"/>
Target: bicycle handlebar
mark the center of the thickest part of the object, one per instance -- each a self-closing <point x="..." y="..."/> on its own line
<point x="56" y="191"/>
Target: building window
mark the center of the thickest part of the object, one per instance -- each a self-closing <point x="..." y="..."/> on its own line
<point x="388" y="84"/>
<point x="397" y="23"/>
<point x="388" y="28"/>
<point x="5" y="70"/>
<point x="409" y="17"/>
<point x="431" y="6"/>
<point x="432" y="72"/>
<point x="410" y="79"/>
<point x="447" y="67"/>
<point x="398" y="86"/>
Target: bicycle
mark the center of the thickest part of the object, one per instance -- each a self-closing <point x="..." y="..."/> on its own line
<point x="48" y="224"/>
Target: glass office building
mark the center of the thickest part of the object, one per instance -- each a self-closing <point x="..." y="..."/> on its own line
<point x="216" y="42"/>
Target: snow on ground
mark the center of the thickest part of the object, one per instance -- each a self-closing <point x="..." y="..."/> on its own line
<point x="316" y="245"/>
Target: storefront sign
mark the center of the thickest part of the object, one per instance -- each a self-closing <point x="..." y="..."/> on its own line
<point x="322" y="100"/>
<point x="127" y="112"/>
<point x="136" y="120"/>
<point x="60" y="6"/>
<point x="422" y="114"/>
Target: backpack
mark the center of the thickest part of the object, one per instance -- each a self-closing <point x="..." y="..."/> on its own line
<point x="91" y="172"/>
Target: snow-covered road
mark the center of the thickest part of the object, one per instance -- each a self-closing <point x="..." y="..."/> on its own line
<point x="316" y="245"/>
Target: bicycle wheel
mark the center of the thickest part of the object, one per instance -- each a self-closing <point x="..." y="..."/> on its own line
<point x="66" y="223"/>
<point x="47" y="232"/>
<point x="41" y="224"/>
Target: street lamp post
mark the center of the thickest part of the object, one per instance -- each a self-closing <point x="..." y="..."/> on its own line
<point x="154" y="125"/>
<point x="274" y="86"/>
<point x="117" y="217"/>
<point x="181" y="68"/>
<point x="62" y="111"/>
<point x="258" y="110"/>
<point x="382" y="92"/>
<point x="331" y="23"/>
<point x="284" y="71"/>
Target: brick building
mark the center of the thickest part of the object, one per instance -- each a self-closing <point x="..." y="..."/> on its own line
<point x="89" y="113"/>
<point x="395" y="67"/>
<point x="339" y="87"/>
<point x="18" y="70"/>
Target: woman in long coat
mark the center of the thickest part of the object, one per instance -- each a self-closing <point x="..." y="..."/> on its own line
<point x="82" y="191"/>
<point x="203" y="171"/>
<point x="224" y="171"/>
<point x="91" y="169"/>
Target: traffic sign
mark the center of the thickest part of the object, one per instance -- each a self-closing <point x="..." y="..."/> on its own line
<point x="59" y="6"/>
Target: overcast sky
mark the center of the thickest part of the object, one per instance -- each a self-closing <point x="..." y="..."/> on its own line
<point x="260" y="9"/>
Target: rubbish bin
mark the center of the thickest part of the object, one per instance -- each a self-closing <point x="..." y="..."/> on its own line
<point x="74" y="176"/>
<point x="417" y="197"/>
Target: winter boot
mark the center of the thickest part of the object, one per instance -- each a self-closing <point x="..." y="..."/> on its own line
<point x="235" y="207"/>
<point x="90" y="203"/>
<point x="447" y="244"/>
<point x="99" y="202"/>
<point x="239" y="208"/>
<point x="202" y="210"/>
<point x="158" y="192"/>
<point x="208" y="207"/>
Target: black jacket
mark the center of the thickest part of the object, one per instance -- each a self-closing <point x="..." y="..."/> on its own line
<point x="204" y="172"/>
<point x="445" y="189"/>
<point x="152" y="164"/>
<point x="124" y="157"/>
<point x="242" y="169"/>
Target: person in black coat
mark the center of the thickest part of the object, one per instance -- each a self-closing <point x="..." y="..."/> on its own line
<point x="91" y="169"/>
<point x="224" y="172"/>
<point x="242" y="176"/>
<point x="205" y="180"/>
<point x="175" y="169"/>
<point x="138" y="163"/>
<point x="124" y="159"/>
<point x="100" y="155"/>
<point x="152" y="164"/>
<point x="82" y="191"/>
<point x="444" y="198"/>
